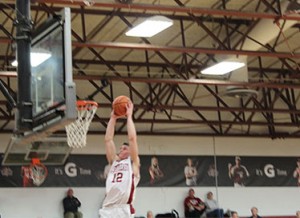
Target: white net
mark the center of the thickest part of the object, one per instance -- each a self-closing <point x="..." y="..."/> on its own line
<point x="38" y="173"/>
<point x="77" y="131"/>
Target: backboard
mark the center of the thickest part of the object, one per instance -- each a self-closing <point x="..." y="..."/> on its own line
<point x="50" y="151"/>
<point x="53" y="96"/>
<point x="53" y="91"/>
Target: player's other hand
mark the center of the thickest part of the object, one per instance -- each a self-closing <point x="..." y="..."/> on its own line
<point x="114" y="116"/>
<point x="129" y="109"/>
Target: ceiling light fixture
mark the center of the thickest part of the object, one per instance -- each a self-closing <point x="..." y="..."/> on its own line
<point x="150" y="27"/>
<point x="36" y="58"/>
<point x="223" y="67"/>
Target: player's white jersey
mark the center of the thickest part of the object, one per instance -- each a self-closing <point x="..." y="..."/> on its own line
<point x="120" y="183"/>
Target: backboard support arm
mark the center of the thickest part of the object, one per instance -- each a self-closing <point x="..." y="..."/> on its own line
<point x="23" y="39"/>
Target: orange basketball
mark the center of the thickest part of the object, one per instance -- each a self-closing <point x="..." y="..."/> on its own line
<point x="119" y="105"/>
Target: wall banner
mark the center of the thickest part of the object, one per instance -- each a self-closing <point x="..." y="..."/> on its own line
<point x="163" y="170"/>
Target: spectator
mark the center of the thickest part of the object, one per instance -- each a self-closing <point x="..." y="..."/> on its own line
<point x="212" y="207"/>
<point x="298" y="214"/>
<point x="238" y="173"/>
<point x="234" y="214"/>
<point x="150" y="214"/>
<point x="71" y="205"/>
<point x="193" y="206"/>
<point x="190" y="173"/>
<point x="254" y="212"/>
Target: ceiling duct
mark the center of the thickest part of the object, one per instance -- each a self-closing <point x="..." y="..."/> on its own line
<point x="264" y="32"/>
<point x="240" y="75"/>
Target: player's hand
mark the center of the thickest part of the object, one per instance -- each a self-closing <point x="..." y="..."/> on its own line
<point x="129" y="109"/>
<point x="114" y="116"/>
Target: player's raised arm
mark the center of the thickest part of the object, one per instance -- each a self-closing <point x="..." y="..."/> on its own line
<point x="109" y="139"/>
<point x="132" y="140"/>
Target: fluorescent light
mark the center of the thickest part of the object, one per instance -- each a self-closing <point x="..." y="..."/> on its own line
<point x="150" y="27"/>
<point x="36" y="58"/>
<point x="223" y="68"/>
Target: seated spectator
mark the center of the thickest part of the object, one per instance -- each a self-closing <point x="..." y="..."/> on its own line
<point x="71" y="205"/>
<point x="234" y="214"/>
<point x="298" y="214"/>
<point x="212" y="207"/>
<point x="150" y="214"/>
<point x="193" y="206"/>
<point x="254" y="212"/>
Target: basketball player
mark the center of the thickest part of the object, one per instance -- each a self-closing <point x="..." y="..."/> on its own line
<point x="296" y="173"/>
<point x="238" y="173"/>
<point x="124" y="173"/>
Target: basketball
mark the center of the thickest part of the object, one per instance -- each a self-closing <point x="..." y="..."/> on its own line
<point x="119" y="105"/>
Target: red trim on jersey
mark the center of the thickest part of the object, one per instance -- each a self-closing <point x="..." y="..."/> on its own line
<point x="132" y="210"/>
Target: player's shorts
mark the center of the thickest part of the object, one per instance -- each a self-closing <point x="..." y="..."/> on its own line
<point x="116" y="211"/>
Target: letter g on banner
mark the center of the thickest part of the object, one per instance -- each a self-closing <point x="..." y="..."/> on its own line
<point x="70" y="169"/>
<point x="269" y="170"/>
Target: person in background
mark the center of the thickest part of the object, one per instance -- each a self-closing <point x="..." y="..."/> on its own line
<point x="190" y="173"/>
<point x="71" y="205"/>
<point x="193" y="206"/>
<point x="212" y="207"/>
<point x="298" y="214"/>
<point x="234" y="214"/>
<point x="254" y="212"/>
<point x="150" y="214"/>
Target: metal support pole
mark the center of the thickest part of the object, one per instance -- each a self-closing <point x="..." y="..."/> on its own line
<point x="23" y="39"/>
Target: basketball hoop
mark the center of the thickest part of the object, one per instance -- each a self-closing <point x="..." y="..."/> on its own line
<point x="77" y="131"/>
<point x="38" y="171"/>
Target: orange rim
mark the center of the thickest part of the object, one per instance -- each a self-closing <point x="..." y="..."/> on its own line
<point x="83" y="104"/>
<point x="35" y="161"/>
